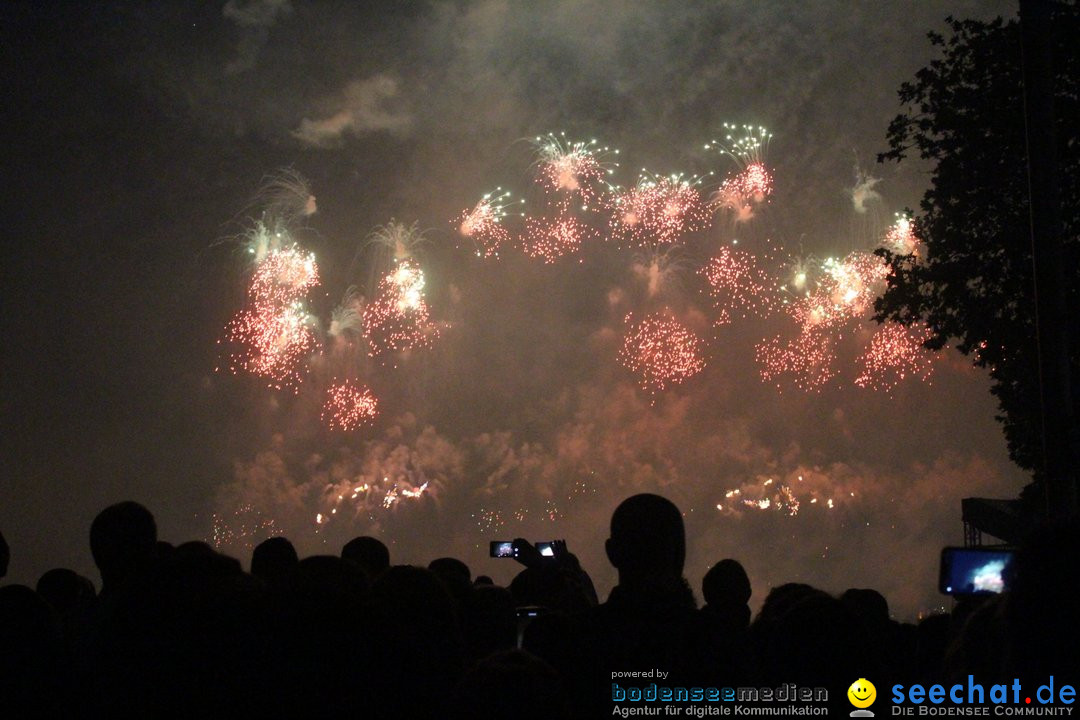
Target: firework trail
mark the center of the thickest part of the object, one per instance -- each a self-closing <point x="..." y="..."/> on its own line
<point x="398" y="318"/>
<point x="661" y="351"/>
<point x="483" y="223"/>
<point x="573" y="172"/>
<point x="895" y="352"/>
<point x="863" y="191"/>
<point x="286" y="194"/>
<point x="552" y="239"/>
<point x="394" y="242"/>
<point x="660" y="268"/>
<point x="657" y="211"/>
<point x="349" y="407"/>
<point x="348" y="316"/>
<point x="737" y="284"/>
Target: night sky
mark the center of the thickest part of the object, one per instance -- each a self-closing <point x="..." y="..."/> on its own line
<point x="138" y="137"/>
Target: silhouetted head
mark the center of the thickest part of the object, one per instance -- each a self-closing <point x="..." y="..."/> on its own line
<point x="273" y="558"/>
<point x="123" y="537"/>
<point x="514" y="684"/>
<point x="5" y="555"/>
<point x="448" y="566"/>
<point x="726" y="584"/>
<point x="65" y="589"/>
<point x="369" y="553"/>
<point x="648" y="541"/>
<point x="869" y="606"/>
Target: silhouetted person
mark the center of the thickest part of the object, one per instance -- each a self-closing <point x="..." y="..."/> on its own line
<point x="650" y="619"/>
<point x="417" y="652"/>
<point x="273" y="559"/>
<point x="369" y="553"/>
<point x="1042" y="625"/>
<point x="65" y="590"/>
<point x="123" y="539"/>
<point x="511" y="684"/>
<point x="726" y="589"/>
<point x="5" y="556"/>
<point x="29" y="655"/>
<point x="726" y="617"/>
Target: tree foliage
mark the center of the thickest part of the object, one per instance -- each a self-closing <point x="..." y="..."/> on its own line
<point x="972" y="281"/>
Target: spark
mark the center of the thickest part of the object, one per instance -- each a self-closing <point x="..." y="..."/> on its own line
<point x="271" y="342"/>
<point x="900" y="237"/>
<point x="483" y="223"/>
<point x="398" y="317"/>
<point x="572" y="170"/>
<point x="551" y="240"/>
<point x="284" y="276"/>
<point x="895" y="352"/>
<point x="809" y="359"/>
<point x="738" y="284"/>
<point x="657" y="211"/>
<point x="349" y="407"/>
<point x="661" y="352"/>
<point x="243" y="529"/>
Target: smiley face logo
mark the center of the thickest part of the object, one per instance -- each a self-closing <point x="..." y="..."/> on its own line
<point x="862" y="693"/>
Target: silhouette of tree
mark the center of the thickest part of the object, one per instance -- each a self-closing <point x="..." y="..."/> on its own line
<point x="971" y="280"/>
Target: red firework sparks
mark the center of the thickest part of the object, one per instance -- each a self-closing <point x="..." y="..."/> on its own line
<point x="570" y="170"/>
<point x="661" y="352"/>
<point x="896" y="352"/>
<point x="483" y="224"/>
<point x="809" y="359"/>
<point x="657" y="212"/>
<point x="398" y="318"/>
<point x="349" y="407"/>
<point x="284" y="276"/>
<point x="738" y="285"/>
<point x="553" y="239"/>
<point x="271" y="342"/>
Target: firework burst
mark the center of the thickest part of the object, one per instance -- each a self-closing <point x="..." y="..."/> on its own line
<point x="271" y="342"/>
<point x="661" y="352"/>
<point x="900" y="237"/>
<point x="284" y="276"/>
<point x="551" y="239"/>
<point x="895" y="352"/>
<point x="349" y="406"/>
<point x="572" y="171"/>
<point x="737" y="284"/>
<point x="483" y="223"/>
<point x="809" y="359"/>
<point x="657" y="211"/>
<point x="398" y="318"/>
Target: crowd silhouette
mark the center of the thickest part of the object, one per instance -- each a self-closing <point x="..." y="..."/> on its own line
<point x="182" y="631"/>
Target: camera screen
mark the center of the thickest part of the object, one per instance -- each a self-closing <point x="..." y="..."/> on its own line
<point x="966" y="571"/>
<point x="502" y="549"/>
<point x="546" y="549"/>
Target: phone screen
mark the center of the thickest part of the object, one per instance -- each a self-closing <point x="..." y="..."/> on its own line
<point x="967" y="571"/>
<point x="502" y="549"/>
<point x="546" y="549"/>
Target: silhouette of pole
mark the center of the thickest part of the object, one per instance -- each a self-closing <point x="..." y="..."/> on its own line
<point x="1059" y="433"/>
